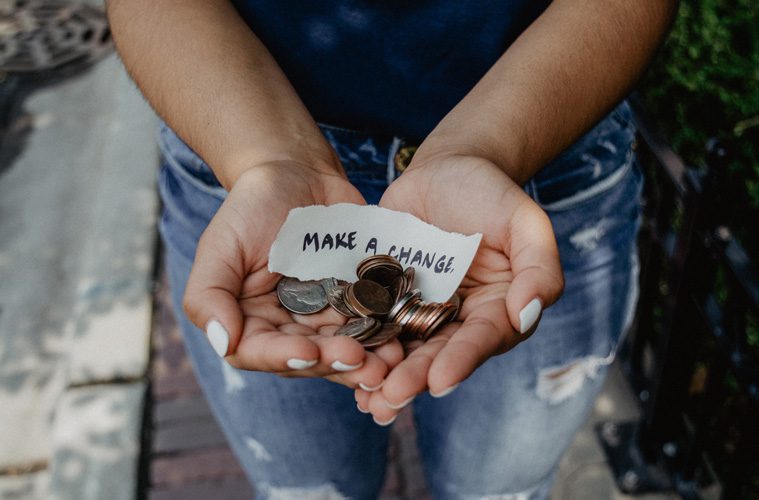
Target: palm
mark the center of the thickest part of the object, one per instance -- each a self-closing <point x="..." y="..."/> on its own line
<point x="233" y="256"/>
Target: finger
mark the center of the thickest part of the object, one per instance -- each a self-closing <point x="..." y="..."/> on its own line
<point x="362" y="400"/>
<point x="391" y="353"/>
<point x="381" y="412"/>
<point x="339" y="354"/>
<point x="369" y="377"/>
<point x="210" y="299"/>
<point x="484" y="333"/>
<point x="409" y="378"/>
<point x="265" y="348"/>
<point x="538" y="280"/>
<point x="327" y="316"/>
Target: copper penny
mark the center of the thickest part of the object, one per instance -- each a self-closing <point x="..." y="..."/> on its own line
<point x="368" y="298"/>
<point x="388" y="332"/>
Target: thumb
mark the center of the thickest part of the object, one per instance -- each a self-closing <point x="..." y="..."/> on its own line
<point x="210" y="299"/>
<point x="538" y="279"/>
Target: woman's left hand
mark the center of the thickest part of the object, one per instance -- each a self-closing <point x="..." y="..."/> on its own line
<point x="515" y="274"/>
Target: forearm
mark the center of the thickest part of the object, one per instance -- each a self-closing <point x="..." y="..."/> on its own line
<point x="566" y="71"/>
<point x="208" y="76"/>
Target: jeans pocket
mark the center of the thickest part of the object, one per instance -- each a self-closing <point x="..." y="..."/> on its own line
<point x="186" y="164"/>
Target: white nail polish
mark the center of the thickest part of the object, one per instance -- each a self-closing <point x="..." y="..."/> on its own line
<point x="361" y="409"/>
<point x="371" y="389"/>
<point x="218" y="337"/>
<point x="301" y="364"/>
<point x="400" y="405"/>
<point x="343" y="367"/>
<point x="386" y="423"/>
<point x="529" y="314"/>
<point x="444" y="392"/>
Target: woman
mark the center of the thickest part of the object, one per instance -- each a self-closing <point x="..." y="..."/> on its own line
<point x="495" y="95"/>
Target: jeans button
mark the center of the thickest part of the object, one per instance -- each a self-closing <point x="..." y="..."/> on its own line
<point x="403" y="157"/>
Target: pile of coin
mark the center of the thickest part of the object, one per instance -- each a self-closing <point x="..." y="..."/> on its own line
<point x="382" y="303"/>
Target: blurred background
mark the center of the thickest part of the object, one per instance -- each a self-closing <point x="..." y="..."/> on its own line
<point x="98" y="401"/>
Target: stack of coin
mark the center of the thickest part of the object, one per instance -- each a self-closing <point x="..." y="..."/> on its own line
<point x="370" y="332"/>
<point x="382" y="299"/>
<point x="419" y="319"/>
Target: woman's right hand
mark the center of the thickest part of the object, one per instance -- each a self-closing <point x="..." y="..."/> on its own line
<point x="232" y="295"/>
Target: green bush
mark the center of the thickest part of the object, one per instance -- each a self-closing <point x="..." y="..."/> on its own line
<point x="705" y="83"/>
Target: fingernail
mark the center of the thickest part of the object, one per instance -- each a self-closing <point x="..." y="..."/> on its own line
<point x="399" y="405"/>
<point x="444" y="392"/>
<point x="342" y="367"/>
<point x="371" y="389"/>
<point x="386" y="423"/>
<point x="528" y="315"/>
<point x="361" y="409"/>
<point x="218" y="337"/>
<point x="301" y="364"/>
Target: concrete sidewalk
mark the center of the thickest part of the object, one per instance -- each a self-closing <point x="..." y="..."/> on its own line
<point x="77" y="236"/>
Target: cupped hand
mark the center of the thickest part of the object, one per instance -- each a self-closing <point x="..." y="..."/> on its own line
<point x="515" y="274"/>
<point x="231" y="293"/>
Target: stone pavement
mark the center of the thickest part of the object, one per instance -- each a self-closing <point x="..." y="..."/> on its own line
<point x="77" y="237"/>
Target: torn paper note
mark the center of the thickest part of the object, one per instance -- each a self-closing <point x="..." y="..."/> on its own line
<point x="322" y="242"/>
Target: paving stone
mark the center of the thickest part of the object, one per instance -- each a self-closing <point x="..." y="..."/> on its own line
<point x="584" y="450"/>
<point x="229" y="489"/>
<point x="392" y="486"/>
<point x="114" y="290"/>
<point x="96" y="437"/>
<point x="25" y="486"/>
<point x="175" y="385"/>
<point x="181" y="409"/>
<point x="76" y="236"/>
<point x="415" y="485"/>
<point x="405" y="420"/>
<point x="198" y="466"/>
<point x="616" y="401"/>
<point x="187" y="435"/>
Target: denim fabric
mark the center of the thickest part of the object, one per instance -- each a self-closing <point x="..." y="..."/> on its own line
<point x="502" y="432"/>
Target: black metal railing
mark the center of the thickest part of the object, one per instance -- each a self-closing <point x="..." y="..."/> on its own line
<point x="691" y="355"/>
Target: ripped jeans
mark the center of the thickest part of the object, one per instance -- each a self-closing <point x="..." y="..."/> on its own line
<point x="501" y="433"/>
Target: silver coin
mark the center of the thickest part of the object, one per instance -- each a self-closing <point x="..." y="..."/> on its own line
<point x="388" y="332"/>
<point x="358" y="328"/>
<point x="336" y="298"/>
<point x="301" y="297"/>
<point x="410" y="296"/>
<point x="328" y="283"/>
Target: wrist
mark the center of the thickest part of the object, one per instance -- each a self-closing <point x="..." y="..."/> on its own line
<point x="237" y="168"/>
<point x="440" y="146"/>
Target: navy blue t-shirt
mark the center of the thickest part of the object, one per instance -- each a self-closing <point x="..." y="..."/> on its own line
<point x="386" y="67"/>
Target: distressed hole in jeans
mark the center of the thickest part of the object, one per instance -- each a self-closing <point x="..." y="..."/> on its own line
<point x="557" y="383"/>
<point x="322" y="492"/>
<point x="259" y="451"/>
<point x="522" y="495"/>
<point x="233" y="381"/>
<point x="588" y="238"/>
<point x="507" y="496"/>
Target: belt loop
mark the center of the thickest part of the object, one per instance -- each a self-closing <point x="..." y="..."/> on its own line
<point x="391" y="158"/>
